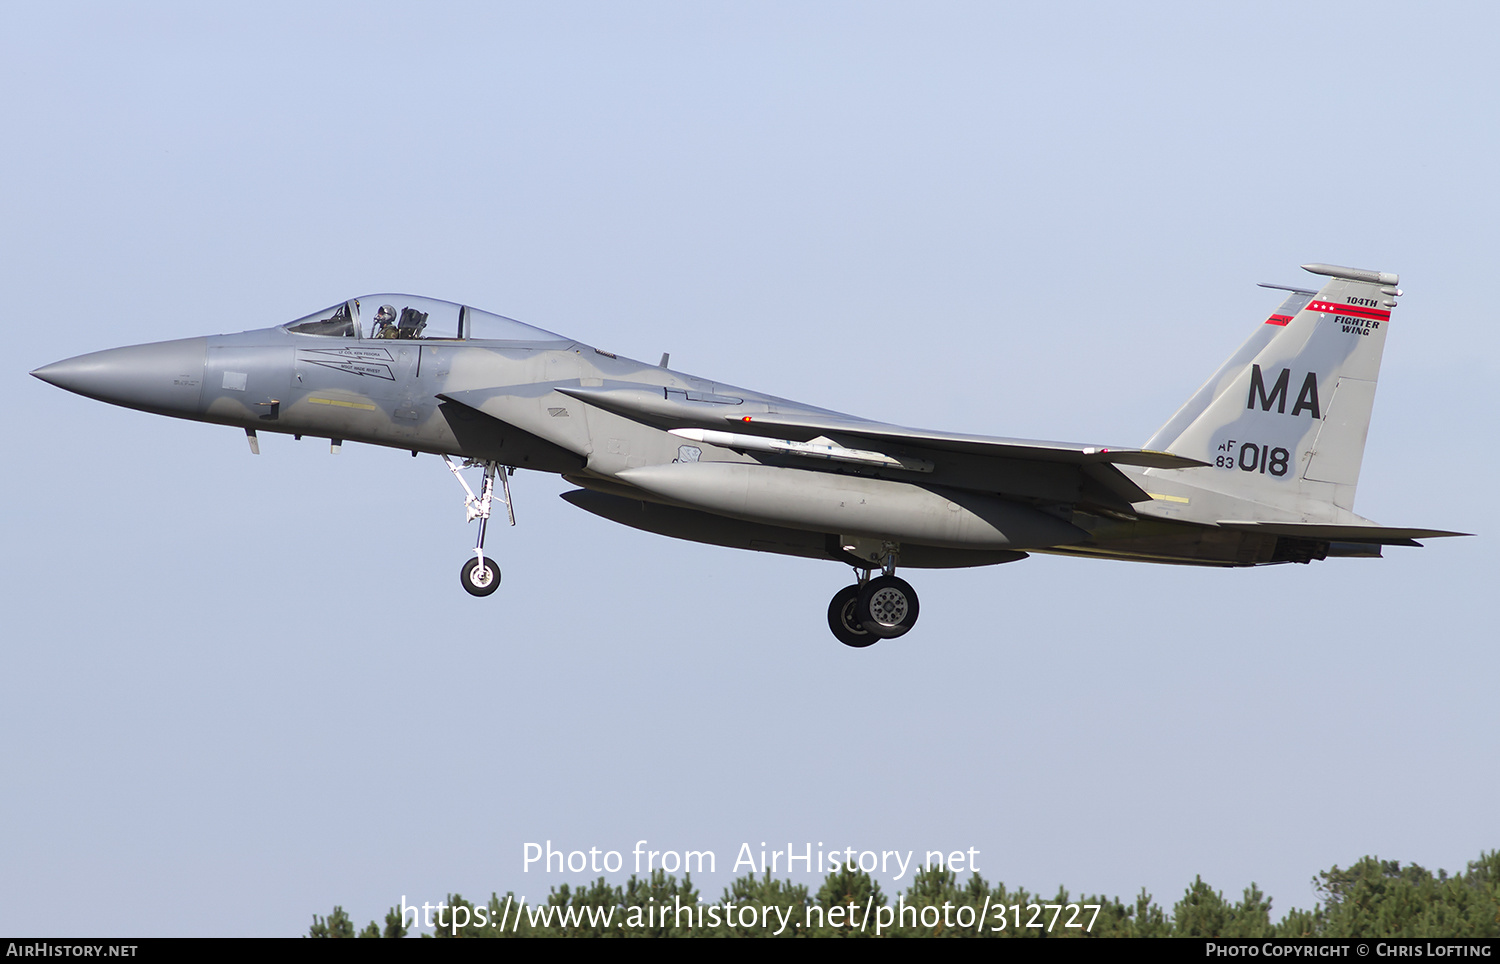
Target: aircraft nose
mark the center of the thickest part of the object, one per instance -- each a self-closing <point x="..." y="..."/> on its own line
<point x="165" y="377"/>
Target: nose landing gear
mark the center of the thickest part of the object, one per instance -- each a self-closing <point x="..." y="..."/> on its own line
<point x="873" y="609"/>
<point x="480" y="576"/>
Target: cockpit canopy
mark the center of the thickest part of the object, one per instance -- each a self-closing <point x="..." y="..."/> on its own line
<point x="413" y="318"/>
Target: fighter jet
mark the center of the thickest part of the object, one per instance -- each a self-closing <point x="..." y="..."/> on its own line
<point x="1258" y="467"/>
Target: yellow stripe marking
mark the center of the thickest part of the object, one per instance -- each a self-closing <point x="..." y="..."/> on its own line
<point x="364" y="405"/>
<point x="1168" y="498"/>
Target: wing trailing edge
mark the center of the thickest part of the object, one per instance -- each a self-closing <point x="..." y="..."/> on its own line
<point x="1375" y="534"/>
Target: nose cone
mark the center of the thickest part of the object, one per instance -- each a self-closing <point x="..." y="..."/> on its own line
<point x="165" y="377"/>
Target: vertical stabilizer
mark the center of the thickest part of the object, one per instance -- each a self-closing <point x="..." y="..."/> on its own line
<point x="1295" y="301"/>
<point x="1283" y="423"/>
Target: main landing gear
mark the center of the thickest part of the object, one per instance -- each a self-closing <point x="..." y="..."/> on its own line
<point x="873" y="609"/>
<point x="480" y="576"/>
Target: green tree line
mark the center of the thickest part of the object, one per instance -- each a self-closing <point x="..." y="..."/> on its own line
<point x="1372" y="898"/>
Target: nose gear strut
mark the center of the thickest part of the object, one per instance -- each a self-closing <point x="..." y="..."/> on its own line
<point x="480" y="576"/>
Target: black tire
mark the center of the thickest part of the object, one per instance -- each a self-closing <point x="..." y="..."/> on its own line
<point x="480" y="578"/>
<point x="847" y="629"/>
<point x="887" y="607"/>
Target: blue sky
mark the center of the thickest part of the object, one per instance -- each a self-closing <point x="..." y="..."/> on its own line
<point x="241" y="690"/>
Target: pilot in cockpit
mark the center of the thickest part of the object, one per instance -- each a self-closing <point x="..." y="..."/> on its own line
<point x="385" y="322"/>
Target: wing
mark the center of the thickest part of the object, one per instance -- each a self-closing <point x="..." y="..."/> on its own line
<point x="1021" y="468"/>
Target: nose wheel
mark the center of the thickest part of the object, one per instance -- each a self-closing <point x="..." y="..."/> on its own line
<point x="480" y="576"/>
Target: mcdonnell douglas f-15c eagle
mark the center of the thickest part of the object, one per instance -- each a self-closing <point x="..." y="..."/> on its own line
<point x="1258" y="467"/>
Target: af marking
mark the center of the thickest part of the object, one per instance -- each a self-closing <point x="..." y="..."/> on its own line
<point x="1253" y="457"/>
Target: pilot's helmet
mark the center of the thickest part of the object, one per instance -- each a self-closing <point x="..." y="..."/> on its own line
<point x="386" y="315"/>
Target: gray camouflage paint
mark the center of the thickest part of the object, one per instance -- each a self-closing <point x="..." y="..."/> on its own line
<point x="544" y="402"/>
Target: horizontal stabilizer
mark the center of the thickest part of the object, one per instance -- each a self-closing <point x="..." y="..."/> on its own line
<point x="1382" y="535"/>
